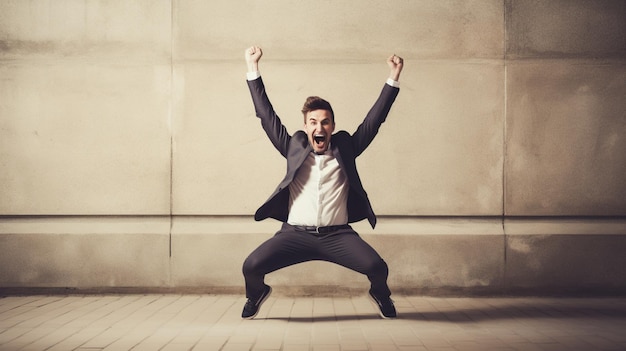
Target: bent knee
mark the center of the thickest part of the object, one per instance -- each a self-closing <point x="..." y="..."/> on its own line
<point x="250" y="265"/>
<point x="378" y="266"/>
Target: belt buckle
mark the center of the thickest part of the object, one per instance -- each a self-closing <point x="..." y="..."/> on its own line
<point x="317" y="230"/>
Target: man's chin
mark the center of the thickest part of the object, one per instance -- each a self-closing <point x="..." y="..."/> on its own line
<point x="319" y="150"/>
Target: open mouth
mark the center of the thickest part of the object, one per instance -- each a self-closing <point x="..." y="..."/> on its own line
<point x="319" y="138"/>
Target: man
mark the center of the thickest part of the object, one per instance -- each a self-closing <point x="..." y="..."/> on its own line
<point x="320" y="194"/>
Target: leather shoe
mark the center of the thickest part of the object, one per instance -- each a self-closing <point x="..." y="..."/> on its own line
<point x="385" y="306"/>
<point x="252" y="306"/>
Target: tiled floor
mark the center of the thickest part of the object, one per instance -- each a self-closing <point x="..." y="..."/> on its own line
<point x="212" y="322"/>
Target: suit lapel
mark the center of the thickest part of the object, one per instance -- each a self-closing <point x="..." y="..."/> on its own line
<point x="295" y="159"/>
<point x="337" y="155"/>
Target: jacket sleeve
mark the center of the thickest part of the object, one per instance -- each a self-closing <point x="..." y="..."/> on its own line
<point x="376" y="116"/>
<point x="270" y="121"/>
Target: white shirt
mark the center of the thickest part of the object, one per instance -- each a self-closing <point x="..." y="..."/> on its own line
<point x="318" y="195"/>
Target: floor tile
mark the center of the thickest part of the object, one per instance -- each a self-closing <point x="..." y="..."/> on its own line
<point x="212" y="322"/>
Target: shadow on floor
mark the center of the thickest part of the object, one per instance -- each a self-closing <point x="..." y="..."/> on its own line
<point x="501" y="312"/>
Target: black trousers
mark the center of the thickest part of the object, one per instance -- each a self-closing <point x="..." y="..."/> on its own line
<point x="290" y="246"/>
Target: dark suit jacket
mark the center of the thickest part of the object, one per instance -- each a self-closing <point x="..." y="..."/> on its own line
<point x="345" y="147"/>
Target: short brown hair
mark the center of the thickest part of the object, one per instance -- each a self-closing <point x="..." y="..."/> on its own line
<point x="313" y="103"/>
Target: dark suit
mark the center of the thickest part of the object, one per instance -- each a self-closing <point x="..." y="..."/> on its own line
<point x="353" y="252"/>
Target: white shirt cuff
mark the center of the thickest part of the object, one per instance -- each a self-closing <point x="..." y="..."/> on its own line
<point x="393" y="83"/>
<point x="253" y="75"/>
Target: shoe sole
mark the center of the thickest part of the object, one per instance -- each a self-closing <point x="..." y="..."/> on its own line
<point x="380" y="313"/>
<point x="260" y="304"/>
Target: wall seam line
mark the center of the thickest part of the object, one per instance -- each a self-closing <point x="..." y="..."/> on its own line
<point x="171" y="128"/>
<point x="504" y="141"/>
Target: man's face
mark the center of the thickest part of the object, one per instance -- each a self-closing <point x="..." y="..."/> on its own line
<point x="319" y="126"/>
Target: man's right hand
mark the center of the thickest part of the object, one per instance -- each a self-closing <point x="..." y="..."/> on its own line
<point x="253" y="55"/>
<point x="395" y="63"/>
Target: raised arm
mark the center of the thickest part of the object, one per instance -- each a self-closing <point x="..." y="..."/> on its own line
<point x="377" y="115"/>
<point x="271" y="123"/>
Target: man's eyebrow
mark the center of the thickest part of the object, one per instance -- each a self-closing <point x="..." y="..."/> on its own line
<point x="320" y="119"/>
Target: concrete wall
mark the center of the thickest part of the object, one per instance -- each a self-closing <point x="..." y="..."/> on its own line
<point x="130" y="156"/>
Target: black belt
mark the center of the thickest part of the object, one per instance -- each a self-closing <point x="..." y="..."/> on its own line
<point x="321" y="230"/>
